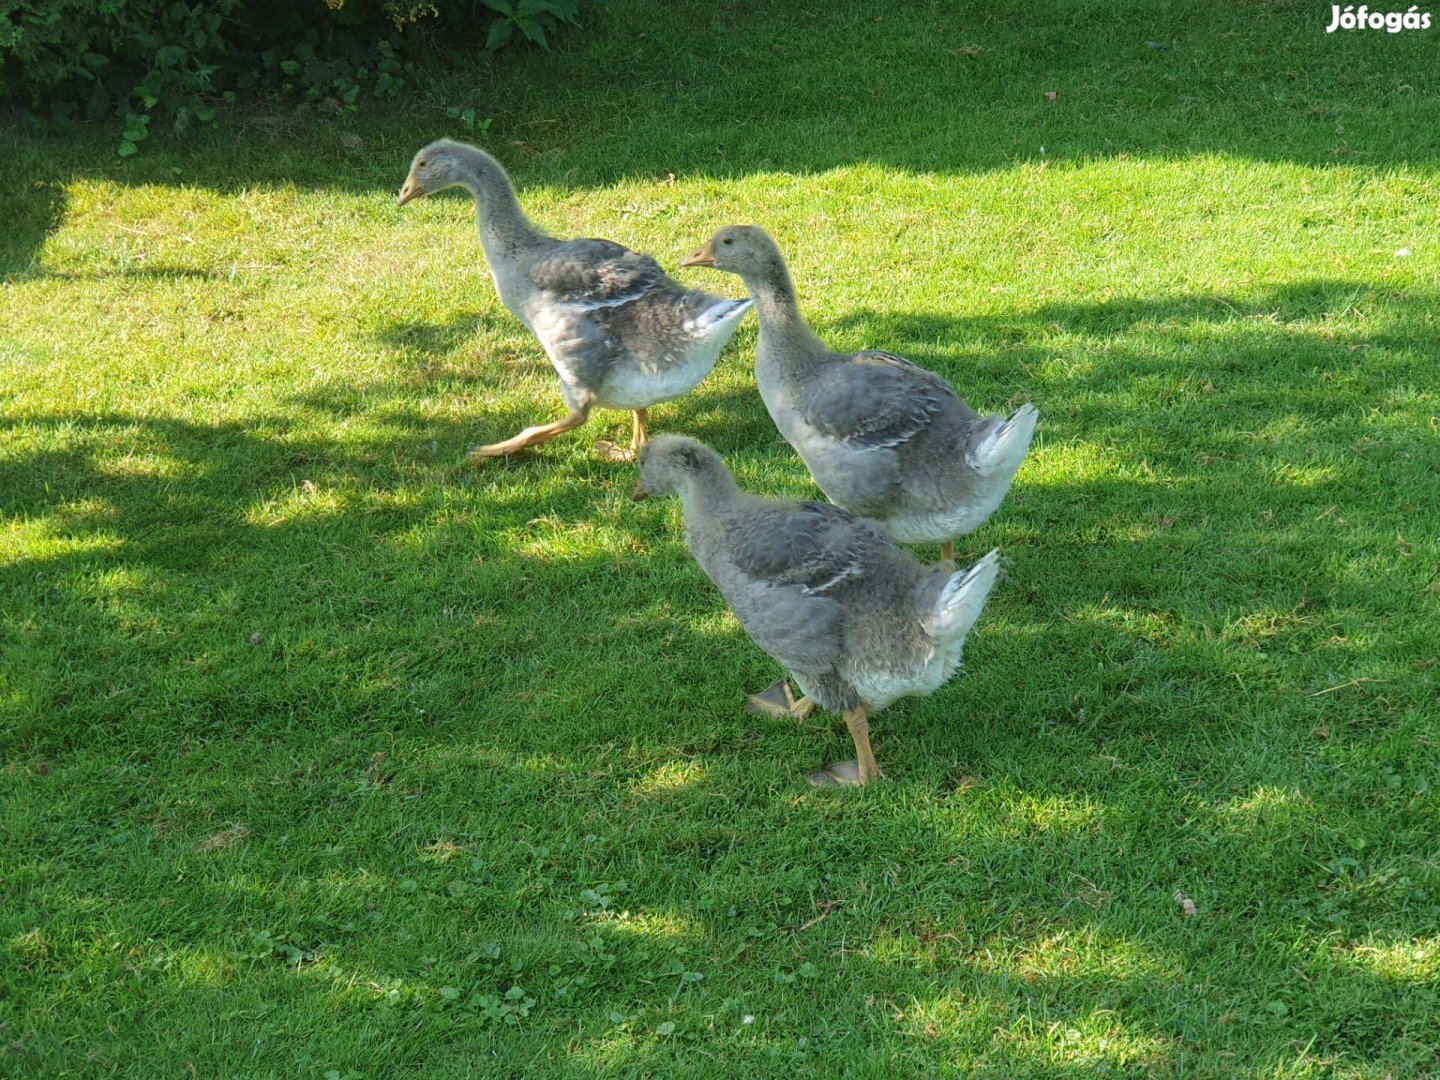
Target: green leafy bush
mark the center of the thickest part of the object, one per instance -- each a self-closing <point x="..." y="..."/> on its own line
<point x="63" y="61"/>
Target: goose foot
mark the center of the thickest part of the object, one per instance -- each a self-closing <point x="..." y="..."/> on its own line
<point x="838" y="774"/>
<point x="852" y="773"/>
<point x="613" y="452"/>
<point x="777" y="700"/>
<point x="531" y="436"/>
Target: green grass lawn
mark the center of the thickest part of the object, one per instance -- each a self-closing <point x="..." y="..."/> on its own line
<point x="327" y="755"/>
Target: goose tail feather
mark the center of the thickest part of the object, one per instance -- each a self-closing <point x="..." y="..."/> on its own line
<point x="962" y="599"/>
<point x="1001" y="450"/>
<point x="721" y="313"/>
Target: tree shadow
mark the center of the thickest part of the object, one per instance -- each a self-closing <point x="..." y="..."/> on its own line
<point x="438" y="339"/>
<point x="369" y="654"/>
<point x="32" y="212"/>
<point x="1283" y="307"/>
<point x="747" y="92"/>
<point x="149" y="272"/>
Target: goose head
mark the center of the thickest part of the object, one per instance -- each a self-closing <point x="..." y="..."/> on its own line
<point x="672" y="463"/>
<point x="442" y="164"/>
<point x="738" y="249"/>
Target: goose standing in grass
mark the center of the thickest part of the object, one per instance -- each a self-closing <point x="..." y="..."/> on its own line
<point x="883" y="437"/>
<point x="620" y="333"/>
<point x="856" y="620"/>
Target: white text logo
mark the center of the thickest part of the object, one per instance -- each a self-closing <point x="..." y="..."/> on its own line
<point x="1362" y="18"/>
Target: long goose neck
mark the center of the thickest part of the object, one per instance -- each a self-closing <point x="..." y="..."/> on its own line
<point x="709" y="495"/>
<point x="778" y="311"/>
<point x="504" y="228"/>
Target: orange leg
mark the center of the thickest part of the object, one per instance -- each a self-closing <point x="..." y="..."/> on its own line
<point x="852" y="773"/>
<point x="858" y="721"/>
<point x="637" y="440"/>
<point x="531" y="436"/>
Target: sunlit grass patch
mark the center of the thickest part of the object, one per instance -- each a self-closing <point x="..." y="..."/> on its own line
<point x="324" y="747"/>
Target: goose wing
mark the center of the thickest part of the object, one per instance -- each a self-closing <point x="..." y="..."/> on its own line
<point x="875" y="400"/>
<point x="812" y="545"/>
<point x="591" y="274"/>
<point x="782" y="572"/>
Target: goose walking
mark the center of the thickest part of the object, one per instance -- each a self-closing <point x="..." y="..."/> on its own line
<point x="882" y="437"/>
<point x="857" y="621"/>
<point x="619" y="332"/>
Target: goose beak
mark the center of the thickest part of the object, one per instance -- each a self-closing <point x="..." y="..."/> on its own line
<point x="411" y="190"/>
<point x="704" y="257"/>
<point x="639" y="494"/>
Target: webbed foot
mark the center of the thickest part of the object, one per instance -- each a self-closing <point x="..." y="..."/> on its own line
<point x="838" y="774"/>
<point x="613" y="451"/>
<point x="777" y="700"/>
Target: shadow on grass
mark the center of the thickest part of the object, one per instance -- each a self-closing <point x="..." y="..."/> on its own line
<point x="430" y="338"/>
<point x="149" y="272"/>
<point x="370" y="655"/>
<point x="31" y="212"/>
<point x="733" y="93"/>
<point x="1294" y="313"/>
<point x="1198" y="448"/>
<point x="1017" y="937"/>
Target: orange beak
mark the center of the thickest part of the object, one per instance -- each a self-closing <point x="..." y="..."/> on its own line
<point x="704" y="257"/>
<point x="639" y="494"/>
<point x="411" y="190"/>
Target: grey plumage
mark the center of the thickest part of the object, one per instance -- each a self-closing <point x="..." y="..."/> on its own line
<point x="882" y="436"/>
<point x="619" y="331"/>
<point x="855" y="619"/>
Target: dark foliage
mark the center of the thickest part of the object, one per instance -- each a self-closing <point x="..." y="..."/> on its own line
<point x="64" y="61"/>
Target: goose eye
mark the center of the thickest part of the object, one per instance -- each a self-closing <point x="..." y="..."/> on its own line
<point x="420" y="164"/>
<point x="727" y="240"/>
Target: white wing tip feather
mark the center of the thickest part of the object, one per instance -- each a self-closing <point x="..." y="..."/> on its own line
<point x="963" y="598"/>
<point x="723" y="315"/>
<point x="1005" y="448"/>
